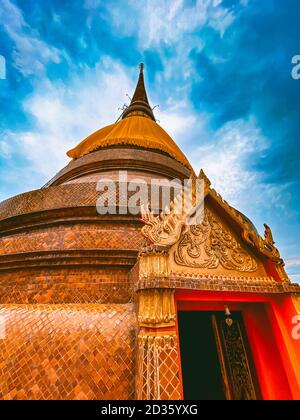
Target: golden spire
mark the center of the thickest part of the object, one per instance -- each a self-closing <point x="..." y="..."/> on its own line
<point x="137" y="127"/>
<point x="139" y="104"/>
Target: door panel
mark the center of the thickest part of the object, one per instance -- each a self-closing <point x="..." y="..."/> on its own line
<point x="215" y="357"/>
<point x="235" y="357"/>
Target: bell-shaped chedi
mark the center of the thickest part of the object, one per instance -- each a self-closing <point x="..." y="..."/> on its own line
<point x="136" y="128"/>
<point x="91" y="302"/>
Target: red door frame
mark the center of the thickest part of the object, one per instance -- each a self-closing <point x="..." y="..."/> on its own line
<point x="266" y="320"/>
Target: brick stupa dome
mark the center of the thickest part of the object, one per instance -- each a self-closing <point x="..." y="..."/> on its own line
<point x="91" y="304"/>
<point x="66" y="285"/>
<point x="137" y="128"/>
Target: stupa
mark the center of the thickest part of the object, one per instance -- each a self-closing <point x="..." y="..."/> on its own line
<point x="140" y="306"/>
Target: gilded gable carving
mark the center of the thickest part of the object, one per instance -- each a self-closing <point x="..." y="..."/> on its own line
<point x="209" y="245"/>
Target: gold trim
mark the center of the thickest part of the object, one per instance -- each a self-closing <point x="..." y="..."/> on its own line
<point x="209" y="245"/>
<point x="147" y="334"/>
<point x="156" y="308"/>
<point x="154" y="265"/>
<point x="219" y="284"/>
<point x="296" y="301"/>
<point x="136" y="131"/>
<point x="226" y="384"/>
<point x="224" y="278"/>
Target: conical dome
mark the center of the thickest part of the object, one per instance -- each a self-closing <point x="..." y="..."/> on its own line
<point x="136" y="128"/>
<point x="136" y="131"/>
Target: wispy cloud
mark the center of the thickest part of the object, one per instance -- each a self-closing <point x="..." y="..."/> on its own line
<point x="293" y="262"/>
<point x="172" y="29"/>
<point x="293" y="269"/>
<point x="62" y="115"/>
<point x="167" y="22"/>
<point x="226" y="155"/>
<point x="30" y="53"/>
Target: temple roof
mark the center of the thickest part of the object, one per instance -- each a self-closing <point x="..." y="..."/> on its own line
<point x="137" y="127"/>
<point x="135" y="131"/>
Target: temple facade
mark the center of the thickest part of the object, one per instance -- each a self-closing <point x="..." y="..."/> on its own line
<point x="140" y="305"/>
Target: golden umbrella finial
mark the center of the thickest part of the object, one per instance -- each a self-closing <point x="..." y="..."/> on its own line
<point x="139" y="104"/>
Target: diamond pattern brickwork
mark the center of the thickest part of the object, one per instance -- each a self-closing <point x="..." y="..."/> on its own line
<point x="158" y="367"/>
<point x="66" y="285"/>
<point x="77" y="237"/>
<point x="64" y="196"/>
<point x="75" y="351"/>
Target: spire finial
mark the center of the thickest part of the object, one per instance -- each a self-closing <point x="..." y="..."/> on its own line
<point x="139" y="104"/>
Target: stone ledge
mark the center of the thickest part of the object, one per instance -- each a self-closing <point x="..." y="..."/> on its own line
<point x="221" y="284"/>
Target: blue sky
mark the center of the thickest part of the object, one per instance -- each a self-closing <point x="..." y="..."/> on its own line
<point x="219" y="70"/>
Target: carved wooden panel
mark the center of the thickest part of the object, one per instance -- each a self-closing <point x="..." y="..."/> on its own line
<point x="211" y="244"/>
<point x="214" y="248"/>
<point x="238" y="373"/>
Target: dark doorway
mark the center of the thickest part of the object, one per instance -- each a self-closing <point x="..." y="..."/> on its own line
<point x="202" y="376"/>
<point x="216" y="359"/>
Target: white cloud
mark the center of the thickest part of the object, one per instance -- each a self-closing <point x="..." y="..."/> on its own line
<point x="295" y="278"/>
<point x="63" y="115"/>
<point x="176" y="123"/>
<point x="5" y="148"/>
<point x="169" y="20"/>
<point x="225" y="157"/>
<point x="292" y="262"/>
<point x="30" y="53"/>
<point x="292" y="266"/>
<point x="165" y="25"/>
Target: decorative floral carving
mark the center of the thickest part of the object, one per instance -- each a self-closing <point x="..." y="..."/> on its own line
<point x="209" y="244"/>
<point x="268" y="244"/>
<point x="219" y="247"/>
<point x="163" y="230"/>
<point x="238" y="366"/>
<point x="265" y="246"/>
